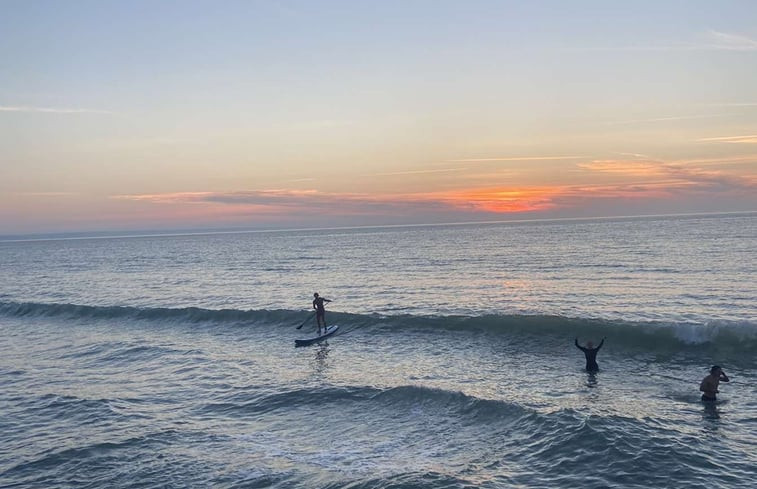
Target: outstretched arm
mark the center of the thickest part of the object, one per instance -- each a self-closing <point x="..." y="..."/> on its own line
<point x="577" y="345"/>
<point x="600" y="344"/>
<point x="724" y="377"/>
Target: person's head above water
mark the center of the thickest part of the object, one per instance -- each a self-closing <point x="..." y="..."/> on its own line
<point x="715" y="370"/>
<point x="315" y="294"/>
<point x="589" y="344"/>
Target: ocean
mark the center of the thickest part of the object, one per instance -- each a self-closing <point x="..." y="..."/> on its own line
<point x="169" y="361"/>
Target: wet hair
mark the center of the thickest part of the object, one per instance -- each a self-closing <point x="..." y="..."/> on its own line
<point x="315" y="294"/>
<point x="715" y="368"/>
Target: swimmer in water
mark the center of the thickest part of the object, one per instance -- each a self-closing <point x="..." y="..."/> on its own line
<point x="710" y="384"/>
<point x="591" y="354"/>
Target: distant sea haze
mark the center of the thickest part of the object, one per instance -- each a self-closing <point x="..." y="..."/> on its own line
<point x="184" y="231"/>
<point x="683" y="269"/>
<point x="169" y="361"/>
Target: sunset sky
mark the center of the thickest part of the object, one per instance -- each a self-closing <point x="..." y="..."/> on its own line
<point x="163" y="115"/>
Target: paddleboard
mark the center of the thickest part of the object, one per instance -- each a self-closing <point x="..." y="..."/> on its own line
<point x="310" y="341"/>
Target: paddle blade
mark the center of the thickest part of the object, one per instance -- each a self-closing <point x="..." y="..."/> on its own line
<point x="305" y="321"/>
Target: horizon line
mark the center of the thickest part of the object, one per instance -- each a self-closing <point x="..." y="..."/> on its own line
<point x="70" y="235"/>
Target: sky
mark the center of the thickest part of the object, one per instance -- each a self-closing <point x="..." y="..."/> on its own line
<point x="167" y="115"/>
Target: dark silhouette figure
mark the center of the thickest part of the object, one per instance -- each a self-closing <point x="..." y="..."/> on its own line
<point x="320" y="311"/>
<point x="710" y="384"/>
<point x="591" y="354"/>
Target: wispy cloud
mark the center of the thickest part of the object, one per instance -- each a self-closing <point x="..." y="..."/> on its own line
<point x="666" y="119"/>
<point x="711" y="40"/>
<point x="748" y="139"/>
<point x="642" y="168"/>
<point x="743" y="159"/>
<point x="516" y="158"/>
<point x="417" y="172"/>
<point x="278" y="202"/>
<point x="278" y="197"/>
<point x="730" y="42"/>
<point x="165" y="198"/>
<point x="634" y="159"/>
<point x="636" y="155"/>
<point x="51" y="110"/>
<point x="46" y="194"/>
<point x="735" y="104"/>
<point x="673" y="175"/>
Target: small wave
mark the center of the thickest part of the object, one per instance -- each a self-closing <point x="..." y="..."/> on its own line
<point x="54" y="406"/>
<point x="408" y="398"/>
<point x="549" y="443"/>
<point x="257" y="402"/>
<point x="184" y="314"/>
<point x="54" y="460"/>
<point x="128" y="354"/>
<point x="649" y="335"/>
<point x="470" y="407"/>
<point x="732" y="336"/>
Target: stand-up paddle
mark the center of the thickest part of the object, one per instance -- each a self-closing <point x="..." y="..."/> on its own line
<point x="305" y="322"/>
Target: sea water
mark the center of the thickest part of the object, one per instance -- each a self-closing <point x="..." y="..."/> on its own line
<point x="169" y="361"/>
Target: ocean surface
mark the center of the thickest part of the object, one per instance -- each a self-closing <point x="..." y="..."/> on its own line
<point x="169" y="361"/>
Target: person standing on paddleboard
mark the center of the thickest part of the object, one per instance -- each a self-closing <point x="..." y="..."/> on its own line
<point x="320" y="311"/>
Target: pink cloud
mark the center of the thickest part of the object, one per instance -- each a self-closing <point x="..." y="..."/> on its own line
<point x="653" y="181"/>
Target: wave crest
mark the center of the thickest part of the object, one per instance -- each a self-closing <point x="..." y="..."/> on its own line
<point x="733" y="336"/>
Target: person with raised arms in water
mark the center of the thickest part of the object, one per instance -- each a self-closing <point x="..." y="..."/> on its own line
<point x="320" y="311"/>
<point x="591" y="354"/>
<point x="709" y="385"/>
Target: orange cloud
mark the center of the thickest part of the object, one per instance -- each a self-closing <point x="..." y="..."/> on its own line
<point x="502" y="200"/>
<point x="644" y="168"/>
<point x="676" y="173"/>
<point x="167" y="198"/>
<point x="497" y="200"/>
<point x="663" y="182"/>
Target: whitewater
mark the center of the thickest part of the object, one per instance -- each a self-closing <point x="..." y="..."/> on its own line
<point x="169" y="361"/>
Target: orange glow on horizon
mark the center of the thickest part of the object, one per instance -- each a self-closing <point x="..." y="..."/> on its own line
<point x="503" y="200"/>
<point x="664" y="182"/>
